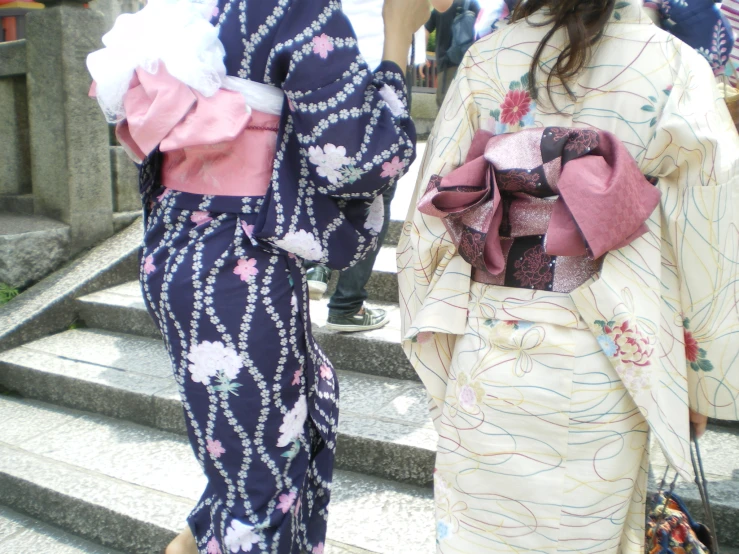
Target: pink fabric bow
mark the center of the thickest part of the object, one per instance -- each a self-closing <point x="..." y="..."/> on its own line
<point x="603" y="203"/>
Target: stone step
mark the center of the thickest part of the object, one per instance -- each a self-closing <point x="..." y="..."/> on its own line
<point x="130" y="487"/>
<point x="384" y="430"/>
<point x="21" y="534"/>
<point x="121" y="309"/>
<point x="31" y="247"/>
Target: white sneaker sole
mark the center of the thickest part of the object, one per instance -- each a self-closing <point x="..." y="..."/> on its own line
<point x="356" y="328"/>
<point x="316" y="289"/>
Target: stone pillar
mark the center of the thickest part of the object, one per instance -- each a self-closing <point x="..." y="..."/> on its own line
<point x="15" y="176"/>
<point x="70" y="157"/>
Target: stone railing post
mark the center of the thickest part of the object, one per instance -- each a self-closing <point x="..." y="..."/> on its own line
<point x="70" y="157"/>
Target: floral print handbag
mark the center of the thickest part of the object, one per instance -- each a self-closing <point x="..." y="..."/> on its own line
<point x="670" y="527"/>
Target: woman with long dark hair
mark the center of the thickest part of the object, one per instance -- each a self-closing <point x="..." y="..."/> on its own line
<point x="568" y="276"/>
<point x="264" y="140"/>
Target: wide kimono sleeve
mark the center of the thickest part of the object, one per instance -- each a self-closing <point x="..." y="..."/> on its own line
<point x="434" y="282"/>
<point x="346" y="135"/>
<point x="695" y="155"/>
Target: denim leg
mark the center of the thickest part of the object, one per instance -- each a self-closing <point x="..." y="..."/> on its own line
<point x="350" y="292"/>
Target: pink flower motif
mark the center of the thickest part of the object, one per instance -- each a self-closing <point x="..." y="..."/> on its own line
<point x="424" y="337"/>
<point x="214" y="14"/>
<point x="248" y="229"/>
<point x="200" y="218"/>
<point x="215" y="448"/>
<point x="213" y="546"/>
<point x="516" y="105"/>
<point x="326" y="372"/>
<point x="318" y="549"/>
<point x="392" y="168"/>
<point x="286" y="502"/>
<point x="322" y="46"/>
<point x="296" y="376"/>
<point x="246" y="269"/>
<point x="149" y="266"/>
<point x="290" y="104"/>
<point x="297" y="506"/>
<point x="165" y="193"/>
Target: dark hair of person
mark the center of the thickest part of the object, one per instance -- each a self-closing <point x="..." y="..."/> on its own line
<point x="583" y="20"/>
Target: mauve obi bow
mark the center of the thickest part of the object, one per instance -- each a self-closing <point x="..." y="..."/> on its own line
<point x="162" y="111"/>
<point x="603" y="199"/>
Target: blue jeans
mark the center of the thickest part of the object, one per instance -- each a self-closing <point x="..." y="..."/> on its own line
<point x="350" y="293"/>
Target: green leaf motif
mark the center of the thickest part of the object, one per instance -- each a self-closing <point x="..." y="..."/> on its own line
<point x="653" y="122"/>
<point x="620" y="5"/>
<point x="652" y="98"/>
<point x="647" y="108"/>
<point x="515" y="85"/>
<point x="686" y="323"/>
<point x="525" y="80"/>
<point x="495" y="114"/>
<point x="705" y="365"/>
<point x="617" y="16"/>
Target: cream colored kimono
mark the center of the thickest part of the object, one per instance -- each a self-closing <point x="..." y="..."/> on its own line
<point x="543" y="401"/>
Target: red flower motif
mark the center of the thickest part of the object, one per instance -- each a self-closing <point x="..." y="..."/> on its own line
<point x="691" y="347"/>
<point x="515" y="107"/>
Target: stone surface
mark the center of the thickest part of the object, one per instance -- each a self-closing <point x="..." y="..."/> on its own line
<point x="48" y="307"/>
<point x="31" y="247"/>
<point x="129" y="487"/>
<point x="121" y="220"/>
<point x="384" y="427"/>
<point x="21" y="204"/>
<point x="21" y="534"/>
<point x="12" y="58"/>
<point x="15" y="177"/>
<point x="125" y="181"/>
<point x="70" y="158"/>
<point x="424" y="106"/>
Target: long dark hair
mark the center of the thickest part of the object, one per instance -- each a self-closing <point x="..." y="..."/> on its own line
<point x="583" y="20"/>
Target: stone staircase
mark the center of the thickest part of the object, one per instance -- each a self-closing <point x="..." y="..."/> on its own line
<point x="93" y="450"/>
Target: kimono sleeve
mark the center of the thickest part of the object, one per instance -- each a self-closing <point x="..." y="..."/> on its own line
<point x="352" y="136"/>
<point x="434" y="282"/>
<point x="695" y="155"/>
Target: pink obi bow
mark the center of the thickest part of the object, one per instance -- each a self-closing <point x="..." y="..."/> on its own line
<point x="603" y="200"/>
<point x="162" y="111"/>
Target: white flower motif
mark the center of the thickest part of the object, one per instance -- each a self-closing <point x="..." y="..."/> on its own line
<point x="328" y="161"/>
<point x="394" y="104"/>
<point x="376" y="215"/>
<point x="208" y="358"/>
<point x="240" y="537"/>
<point x="302" y="243"/>
<point x="293" y="422"/>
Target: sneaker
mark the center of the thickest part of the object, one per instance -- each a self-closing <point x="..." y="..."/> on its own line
<point x="318" y="277"/>
<point x="365" y="320"/>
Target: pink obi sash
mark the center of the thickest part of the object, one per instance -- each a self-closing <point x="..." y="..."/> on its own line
<point x="215" y="145"/>
<point x="538" y="208"/>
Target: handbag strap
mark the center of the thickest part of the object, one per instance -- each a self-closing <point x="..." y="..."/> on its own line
<point x="702" y="484"/>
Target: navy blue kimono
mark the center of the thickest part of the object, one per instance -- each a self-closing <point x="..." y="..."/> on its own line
<point x="223" y="276"/>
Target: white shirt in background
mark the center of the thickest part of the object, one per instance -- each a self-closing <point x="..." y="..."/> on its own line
<point x="366" y="18"/>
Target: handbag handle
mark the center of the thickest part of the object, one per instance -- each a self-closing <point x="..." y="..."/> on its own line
<point x="702" y="484"/>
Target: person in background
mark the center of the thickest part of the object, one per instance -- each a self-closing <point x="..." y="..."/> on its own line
<point x="346" y="309"/>
<point x="441" y="21"/>
<point x="701" y="25"/>
<point x="568" y="287"/>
